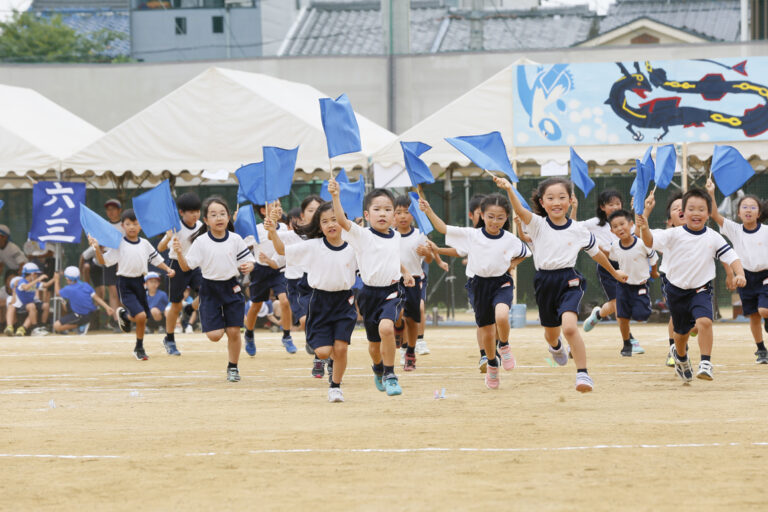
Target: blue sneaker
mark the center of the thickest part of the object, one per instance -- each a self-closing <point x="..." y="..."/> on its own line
<point x="379" y="381"/>
<point x="593" y="320"/>
<point x="170" y="347"/>
<point x="392" y="386"/>
<point x="288" y="344"/>
<point x="250" y="346"/>
<point x="636" y="348"/>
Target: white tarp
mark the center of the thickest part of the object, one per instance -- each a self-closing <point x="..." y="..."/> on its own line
<point x="36" y="133"/>
<point x="220" y="120"/>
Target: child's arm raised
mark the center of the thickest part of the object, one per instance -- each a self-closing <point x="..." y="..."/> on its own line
<point x="270" y="226"/>
<point x="642" y="224"/>
<point x="338" y="210"/>
<point x="520" y="210"/>
<point x="97" y="250"/>
<point x="715" y="214"/>
<point x="165" y="242"/>
<point x="436" y="221"/>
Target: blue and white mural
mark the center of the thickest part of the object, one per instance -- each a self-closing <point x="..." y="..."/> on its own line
<point x="645" y="101"/>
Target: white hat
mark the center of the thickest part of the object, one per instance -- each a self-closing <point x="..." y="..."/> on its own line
<point x="72" y="273"/>
<point x="151" y="275"/>
<point x="30" y="268"/>
<point x="5" y="231"/>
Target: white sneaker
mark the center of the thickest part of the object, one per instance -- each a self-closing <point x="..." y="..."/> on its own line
<point x="705" y="371"/>
<point x="402" y="356"/>
<point x="584" y="382"/>
<point x="592" y="321"/>
<point x="421" y="347"/>
<point x="39" y="331"/>
<point x="335" y="395"/>
<point x="189" y="329"/>
<point x="560" y="356"/>
<point x="178" y="330"/>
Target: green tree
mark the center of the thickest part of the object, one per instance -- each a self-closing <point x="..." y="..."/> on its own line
<point x="31" y="38"/>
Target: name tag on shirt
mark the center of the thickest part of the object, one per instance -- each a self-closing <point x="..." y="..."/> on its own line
<point x="506" y="284"/>
<point x="573" y="283"/>
<point x="236" y="288"/>
<point x="642" y="291"/>
<point x="351" y="300"/>
<point x="702" y="289"/>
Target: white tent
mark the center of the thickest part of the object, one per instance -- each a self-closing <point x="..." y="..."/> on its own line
<point x="36" y="133"/>
<point x="220" y="120"/>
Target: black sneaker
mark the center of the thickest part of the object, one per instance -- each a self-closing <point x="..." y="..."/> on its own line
<point x="170" y="347"/>
<point x="318" y="368"/>
<point x="233" y="375"/>
<point x="308" y="349"/>
<point x="140" y="354"/>
<point x="626" y="351"/>
<point x="122" y="320"/>
<point x="762" y="357"/>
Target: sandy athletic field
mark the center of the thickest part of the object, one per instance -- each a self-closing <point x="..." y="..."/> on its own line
<point x="171" y="433"/>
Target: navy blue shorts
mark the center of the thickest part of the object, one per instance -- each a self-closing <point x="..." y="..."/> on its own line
<point x="263" y="279"/>
<point x="379" y="303"/>
<point x="298" y="291"/>
<point x="470" y="292"/>
<point x="221" y="304"/>
<point x="557" y="292"/>
<point x="331" y="316"/>
<point x="686" y="306"/>
<point x="179" y="282"/>
<point x="109" y="275"/>
<point x="633" y="301"/>
<point x="412" y="299"/>
<point x="132" y="294"/>
<point x="755" y="294"/>
<point x="487" y="293"/>
<point x="73" y="318"/>
<point x="607" y="281"/>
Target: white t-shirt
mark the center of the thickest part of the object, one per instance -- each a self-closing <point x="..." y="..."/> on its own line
<point x="266" y="246"/>
<point x="133" y="258"/>
<point x="558" y="247"/>
<point x="689" y="256"/>
<point x="635" y="260"/>
<point x="292" y="271"/>
<point x="487" y="255"/>
<point x="329" y="268"/>
<point x="218" y="258"/>
<point x="603" y="234"/>
<point x="408" y="255"/>
<point x="751" y="246"/>
<point x="184" y="235"/>
<point x="378" y="254"/>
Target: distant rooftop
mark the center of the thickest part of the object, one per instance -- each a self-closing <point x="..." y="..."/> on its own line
<point x="86" y="21"/>
<point x="47" y="5"/>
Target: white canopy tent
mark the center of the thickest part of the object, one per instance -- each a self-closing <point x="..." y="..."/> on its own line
<point x="36" y="133"/>
<point x="220" y="120"/>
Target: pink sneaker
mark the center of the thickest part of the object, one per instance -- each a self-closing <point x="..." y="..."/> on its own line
<point x="492" y="377"/>
<point x="410" y="362"/>
<point x="507" y="359"/>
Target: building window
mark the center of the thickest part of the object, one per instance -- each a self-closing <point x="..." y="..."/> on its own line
<point x="181" y="26"/>
<point x="218" y="24"/>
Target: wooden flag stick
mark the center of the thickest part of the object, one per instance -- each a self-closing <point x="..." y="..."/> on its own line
<point x="330" y="168"/>
<point x="420" y="190"/>
<point x="490" y="173"/>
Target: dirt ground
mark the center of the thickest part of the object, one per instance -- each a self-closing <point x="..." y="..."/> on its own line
<point x="84" y="426"/>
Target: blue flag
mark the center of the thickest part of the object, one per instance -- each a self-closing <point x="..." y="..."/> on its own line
<point x="418" y="170"/>
<point x="486" y="151"/>
<point x="156" y="210"/>
<point x="279" y="165"/>
<point x="666" y="159"/>
<point x="580" y="174"/>
<point x="245" y="223"/>
<point x="2" y="203"/>
<point x="342" y="135"/>
<point x="421" y="218"/>
<point x="645" y="171"/>
<point x="729" y="169"/>
<point x="241" y="195"/>
<point x="522" y="199"/>
<point x="341" y="178"/>
<point x="99" y="228"/>
<point x="352" y="196"/>
<point x="252" y="182"/>
<point x="55" y="212"/>
<point x="640" y="186"/>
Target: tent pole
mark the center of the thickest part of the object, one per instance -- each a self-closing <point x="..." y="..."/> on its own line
<point x="57" y="266"/>
<point x="685" y="167"/>
<point x="514" y="224"/>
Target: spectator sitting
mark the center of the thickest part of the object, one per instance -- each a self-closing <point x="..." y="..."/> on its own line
<point x="27" y="303"/>
<point x="81" y="298"/>
<point x="11" y="257"/>
<point x="157" y="300"/>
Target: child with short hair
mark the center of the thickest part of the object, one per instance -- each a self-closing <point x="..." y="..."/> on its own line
<point x="633" y="301"/>
<point x="690" y="252"/>
<point x="157" y="300"/>
<point x="81" y="301"/>
<point x="27" y="302"/>
<point x="378" y="257"/>
<point x="750" y="240"/>
<point x="132" y="258"/>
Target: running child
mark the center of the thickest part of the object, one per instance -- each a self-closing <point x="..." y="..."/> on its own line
<point x="331" y="265"/>
<point x="157" y="300"/>
<point x="750" y="240"/>
<point x="378" y="258"/>
<point x="189" y="213"/>
<point x="558" y="286"/>
<point x="633" y="300"/>
<point x="81" y="301"/>
<point x="222" y="256"/>
<point x="490" y="249"/>
<point x="132" y="258"/>
<point x="690" y="252"/>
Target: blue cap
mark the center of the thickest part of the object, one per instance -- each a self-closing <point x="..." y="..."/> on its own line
<point x="151" y="275"/>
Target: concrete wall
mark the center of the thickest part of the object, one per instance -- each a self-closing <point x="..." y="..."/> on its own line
<point x="105" y="95"/>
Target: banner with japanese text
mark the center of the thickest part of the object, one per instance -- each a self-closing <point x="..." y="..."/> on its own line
<point x="56" y="211"/>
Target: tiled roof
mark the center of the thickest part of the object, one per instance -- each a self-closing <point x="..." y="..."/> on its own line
<point x="714" y="19"/>
<point x="86" y="21"/>
<point x="47" y="5"/>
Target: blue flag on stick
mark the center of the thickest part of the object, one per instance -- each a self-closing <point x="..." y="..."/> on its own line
<point x="352" y="196"/>
<point x="666" y="159"/>
<point x="729" y="169"/>
<point x="418" y="170"/>
<point x="252" y="180"/>
<point x="245" y="223"/>
<point x="640" y="187"/>
<point x="421" y="218"/>
<point x="100" y="229"/>
<point x="580" y="174"/>
<point x="486" y="151"/>
<point x="342" y="135"/>
<point x="156" y="210"/>
<point x="341" y="178"/>
<point x="280" y="165"/>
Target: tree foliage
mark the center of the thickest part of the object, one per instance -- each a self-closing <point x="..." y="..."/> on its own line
<point x="28" y="37"/>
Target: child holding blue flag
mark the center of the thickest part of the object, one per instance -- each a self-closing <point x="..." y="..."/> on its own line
<point x="750" y="240"/>
<point x="81" y="301"/>
<point x="557" y="240"/>
<point x="132" y="258"/>
<point x="491" y="249"/>
<point x="378" y="257"/>
<point x="189" y="212"/>
<point x="689" y="256"/>
<point x="221" y="255"/>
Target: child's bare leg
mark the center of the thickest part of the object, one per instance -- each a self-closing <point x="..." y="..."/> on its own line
<point x="387" y="334"/>
<point x="253" y="314"/>
<point x="551" y="334"/>
<point x="624" y="328"/>
<point x="339" y="360"/>
<point x="756" y="326"/>
<point x="706" y="338"/>
<point x="215" y="335"/>
<point x="374" y="349"/>
<point x="141" y="324"/>
<point x="502" y="322"/>
<point x="286" y="315"/>
<point x="488" y="336"/>
<point x="173" y="316"/>
<point x="31" y="316"/>
<point x="411" y="332"/>
<point x="572" y="334"/>
<point x="233" y="344"/>
<point x="608" y="308"/>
